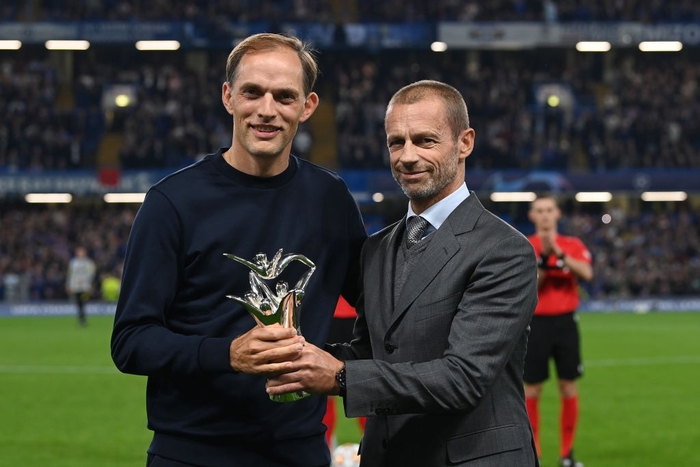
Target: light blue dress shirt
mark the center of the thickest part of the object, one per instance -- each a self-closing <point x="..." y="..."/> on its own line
<point x="438" y="212"/>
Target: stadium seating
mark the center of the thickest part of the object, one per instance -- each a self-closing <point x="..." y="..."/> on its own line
<point x="357" y="10"/>
<point x="620" y="111"/>
<point x="638" y="114"/>
<point x="639" y="254"/>
<point x="36" y="243"/>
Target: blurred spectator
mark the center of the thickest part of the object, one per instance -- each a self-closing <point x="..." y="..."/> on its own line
<point x="637" y="254"/>
<point x="35" y="133"/>
<point x="629" y="110"/>
<point x="159" y="10"/>
<point x="641" y="254"/>
<point x="9" y="9"/>
<point x="367" y="10"/>
<point x="634" y="111"/>
<point x="177" y="116"/>
<point x="80" y="281"/>
<point x="36" y="243"/>
<point x="110" y="286"/>
<point x="638" y="113"/>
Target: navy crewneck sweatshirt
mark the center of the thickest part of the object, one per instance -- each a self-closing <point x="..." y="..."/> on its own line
<point x="175" y="324"/>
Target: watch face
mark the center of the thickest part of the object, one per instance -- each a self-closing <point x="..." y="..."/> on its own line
<point x="340" y="377"/>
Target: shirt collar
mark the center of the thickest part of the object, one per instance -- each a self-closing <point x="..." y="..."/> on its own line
<point x="438" y="212"/>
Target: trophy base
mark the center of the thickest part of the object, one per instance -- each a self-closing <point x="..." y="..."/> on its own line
<point x="290" y="397"/>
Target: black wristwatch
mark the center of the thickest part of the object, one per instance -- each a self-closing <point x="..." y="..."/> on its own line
<point x="340" y="378"/>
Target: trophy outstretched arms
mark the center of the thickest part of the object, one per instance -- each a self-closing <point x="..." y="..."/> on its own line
<point x="283" y="305"/>
<point x="271" y="269"/>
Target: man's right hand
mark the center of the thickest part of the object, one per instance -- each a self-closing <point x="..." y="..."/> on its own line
<point x="264" y="349"/>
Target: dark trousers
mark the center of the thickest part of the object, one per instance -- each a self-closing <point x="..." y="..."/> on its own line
<point x="81" y="299"/>
<point x="157" y="461"/>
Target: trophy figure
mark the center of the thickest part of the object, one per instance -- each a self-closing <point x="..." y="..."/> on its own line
<point x="281" y="306"/>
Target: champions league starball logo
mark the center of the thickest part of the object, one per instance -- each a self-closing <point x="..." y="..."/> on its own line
<point x="282" y="306"/>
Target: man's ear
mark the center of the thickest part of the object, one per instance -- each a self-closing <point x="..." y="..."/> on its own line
<point x="310" y="106"/>
<point x="466" y="143"/>
<point x="226" y="97"/>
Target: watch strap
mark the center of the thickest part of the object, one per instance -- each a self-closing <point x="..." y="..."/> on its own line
<point x="340" y="378"/>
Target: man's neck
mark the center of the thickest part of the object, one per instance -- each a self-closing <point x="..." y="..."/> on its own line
<point x="257" y="166"/>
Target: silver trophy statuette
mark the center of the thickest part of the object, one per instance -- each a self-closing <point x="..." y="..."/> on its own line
<point x="281" y="306"/>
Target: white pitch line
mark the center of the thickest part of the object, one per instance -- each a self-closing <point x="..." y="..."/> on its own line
<point x="57" y="370"/>
<point x="649" y="361"/>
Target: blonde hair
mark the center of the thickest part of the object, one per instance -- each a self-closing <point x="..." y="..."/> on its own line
<point x="269" y="41"/>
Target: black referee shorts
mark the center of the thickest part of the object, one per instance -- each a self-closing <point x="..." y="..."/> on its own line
<point x="554" y="337"/>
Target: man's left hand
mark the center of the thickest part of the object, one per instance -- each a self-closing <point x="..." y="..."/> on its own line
<point x="314" y="372"/>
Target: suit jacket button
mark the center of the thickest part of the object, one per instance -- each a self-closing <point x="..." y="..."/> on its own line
<point x="385" y="443"/>
<point x="389" y="347"/>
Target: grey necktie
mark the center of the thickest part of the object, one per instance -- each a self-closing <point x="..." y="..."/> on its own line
<point x="415" y="230"/>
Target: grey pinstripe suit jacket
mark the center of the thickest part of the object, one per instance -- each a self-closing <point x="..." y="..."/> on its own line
<point x="438" y="369"/>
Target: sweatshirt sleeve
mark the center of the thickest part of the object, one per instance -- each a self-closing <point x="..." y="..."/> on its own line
<point x="357" y="235"/>
<point x="141" y="342"/>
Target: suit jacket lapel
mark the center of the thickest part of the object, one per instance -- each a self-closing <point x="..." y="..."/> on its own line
<point x="387" y="249"/>
<point x="442" y="247"/>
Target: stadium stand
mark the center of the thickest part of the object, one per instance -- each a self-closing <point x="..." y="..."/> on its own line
<point x="160" y="10"/>
<point x="624" y="110"/>
<point x="363" y="10"/>
<point x="641" y="113"/>
<point x="38" y="131"/>
<point x="36" y="243"/>
<point x="638" y="254"/>
<point x="528" y="10"/>
<point x="641" y="254"/>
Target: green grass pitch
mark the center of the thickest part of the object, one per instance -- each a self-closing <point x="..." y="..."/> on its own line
<point x="62" y="402"/>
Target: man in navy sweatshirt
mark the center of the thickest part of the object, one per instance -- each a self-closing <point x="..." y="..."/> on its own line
<point x="205" y="357"/>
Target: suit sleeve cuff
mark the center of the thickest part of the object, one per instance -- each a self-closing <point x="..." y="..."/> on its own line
<point x="351" y="405"/>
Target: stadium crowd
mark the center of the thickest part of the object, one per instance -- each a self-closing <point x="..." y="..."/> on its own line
<point x="178" y="115"/>
<point x="638" y="254"/>
<point x="616" y="111"/>
<point x="36" y="243"/>
<point x="641" y="113"/>
<point x="530" y="10"/>
<point x="164" y="10"/>
<point x="641" y="254"/>
<point x="364" y="10"/>
<point x="36" y="132"/>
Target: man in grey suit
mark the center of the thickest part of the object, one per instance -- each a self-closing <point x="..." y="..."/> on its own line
<point x="436" y="362"/>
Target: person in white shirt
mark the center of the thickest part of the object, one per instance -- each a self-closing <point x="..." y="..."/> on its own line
<point x="79" y="280"/>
